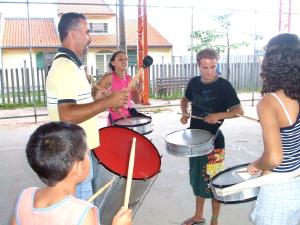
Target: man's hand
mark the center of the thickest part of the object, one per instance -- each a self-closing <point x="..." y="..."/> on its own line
<point x="212" y="118"/>
<point x="118" y="99"/>
<point x="184" y="119"/>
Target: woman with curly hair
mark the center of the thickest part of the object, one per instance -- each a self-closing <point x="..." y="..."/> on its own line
<point x="278" y="111"/>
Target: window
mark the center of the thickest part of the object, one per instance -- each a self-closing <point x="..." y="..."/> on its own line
<point x="98" y="28"/>
<point x="43" y="59"/>
<point x="102" y="60"/>
<point x="132" y="57"/>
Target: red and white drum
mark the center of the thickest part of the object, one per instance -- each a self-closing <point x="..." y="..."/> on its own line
<point x="112" y="163"/>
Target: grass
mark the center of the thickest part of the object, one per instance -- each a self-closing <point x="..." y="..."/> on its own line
<point x="21" y="106"/>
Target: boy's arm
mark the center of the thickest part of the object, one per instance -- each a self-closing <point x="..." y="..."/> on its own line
<point x="91" y="218"/>
<point x="13" y="221"/>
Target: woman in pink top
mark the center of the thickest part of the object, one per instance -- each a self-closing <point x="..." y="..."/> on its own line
<point x="58" y="153"/>
<point x="118" y="80"/>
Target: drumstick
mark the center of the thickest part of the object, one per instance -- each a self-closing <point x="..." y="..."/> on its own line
<point x="256" y="182"/>
<point x="102" y="189"/>
<point x="248" y="117"/>
<point x="129" y="174"/>
<point x="195" y="117"/>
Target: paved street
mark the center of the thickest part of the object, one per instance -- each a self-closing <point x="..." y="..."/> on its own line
<point x="170" y="200"/>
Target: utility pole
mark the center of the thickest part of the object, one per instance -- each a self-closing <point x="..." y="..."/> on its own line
<point x="122" y="39"/>
<point x="285" y="9"/>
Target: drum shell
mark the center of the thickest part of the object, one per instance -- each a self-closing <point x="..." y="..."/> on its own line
<point x="110" y="162"/>
<point x="143" y="128"/>
<point x="113" y="198"/>
<point x="193" y="150"/>
<point x="241" y="197"/>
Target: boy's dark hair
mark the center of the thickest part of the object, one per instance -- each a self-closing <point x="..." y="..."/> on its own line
<point x="53" y="148"/>
<point x="68" y="21"/>
<point x="113" y="57"/>
<point x="207" y="53"/>
<point x="281" y="66"/>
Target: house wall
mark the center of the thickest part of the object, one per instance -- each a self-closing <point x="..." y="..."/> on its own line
<point x="14" y="58"/>
<point x="161" y="55"/>
<point x="111" y="21"/>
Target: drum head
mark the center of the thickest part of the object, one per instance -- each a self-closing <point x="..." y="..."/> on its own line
<point x="232" y="176"/>
<point x="114" y="153"/>
<point x="189" y="137"/>
<point x="132" y="121"/>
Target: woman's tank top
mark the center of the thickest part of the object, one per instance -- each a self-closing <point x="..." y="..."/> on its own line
<point x="290" y="140"/>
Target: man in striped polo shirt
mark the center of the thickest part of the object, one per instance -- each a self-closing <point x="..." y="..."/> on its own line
<point x="68" y="91"/>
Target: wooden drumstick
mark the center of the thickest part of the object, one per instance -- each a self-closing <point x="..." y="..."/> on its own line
<point x="195" y="117"/>
<point x="129" y="174"/>
<point x="248" y="117"/>
<point x="102" y="189"/>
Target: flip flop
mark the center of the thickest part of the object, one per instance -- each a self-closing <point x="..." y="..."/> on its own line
<point x="193" y="222"/>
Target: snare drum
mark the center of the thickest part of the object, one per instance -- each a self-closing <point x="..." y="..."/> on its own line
<point x="140" y="124"/>
<point x="189" y="142"/>
<point x="229" y="177"/>
<point x="112" y="163"/>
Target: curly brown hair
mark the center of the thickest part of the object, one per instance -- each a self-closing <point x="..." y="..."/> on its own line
<point x="280" y="68"/>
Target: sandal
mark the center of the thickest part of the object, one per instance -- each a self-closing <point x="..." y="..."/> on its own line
<point x="193" y="222"/>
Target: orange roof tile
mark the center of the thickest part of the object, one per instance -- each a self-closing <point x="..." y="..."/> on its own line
<point x="155" y="39"/>
<point x="96" y="7"/>
<point x="43" y="33"/>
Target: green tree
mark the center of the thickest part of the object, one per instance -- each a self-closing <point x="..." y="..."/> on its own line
<point x="217" y="39"/>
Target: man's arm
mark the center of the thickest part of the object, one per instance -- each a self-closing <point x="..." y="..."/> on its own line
<point x="184" y="105"/>
<point x="78" y="113"/>
<point x="231" y="113"/>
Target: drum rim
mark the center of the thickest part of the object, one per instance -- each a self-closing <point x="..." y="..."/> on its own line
<point x="238" y="201"/>
<point x="224" y="171"/>
<point x="205" y="143"/>
<point x="133" y="125"/>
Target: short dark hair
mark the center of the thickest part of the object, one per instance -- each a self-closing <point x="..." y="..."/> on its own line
<point x="207" y="53"/>
<point x="281" y="66"/>
<point x="113" y="57"/>
<point x="53" y="148"/>
<point x="67" y="22"/>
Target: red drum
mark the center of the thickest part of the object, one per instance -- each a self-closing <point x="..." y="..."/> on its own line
<point x="112" y="163"/>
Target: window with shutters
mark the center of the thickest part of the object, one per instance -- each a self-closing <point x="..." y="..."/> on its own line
<point x="98" y="28"/>
<point x="102" y="61"/>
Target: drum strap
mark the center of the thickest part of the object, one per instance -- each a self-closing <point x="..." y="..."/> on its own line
<point x="256" y="182"/>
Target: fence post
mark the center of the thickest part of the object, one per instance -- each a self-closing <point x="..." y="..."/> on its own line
<point x="18" y="85"/>
<point x="2" y="86"/>
<point x="13" y="85"/>
<point x="7" y="86"/>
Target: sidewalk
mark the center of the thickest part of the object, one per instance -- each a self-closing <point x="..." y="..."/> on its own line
<point x="170" y="200"/>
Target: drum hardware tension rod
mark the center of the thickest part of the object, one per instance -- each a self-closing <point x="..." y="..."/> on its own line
<point x="100" y="191"/>
<point x="129" y="174"/>
<point x="247" y="117"/>
<point x="195" y="117"/>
